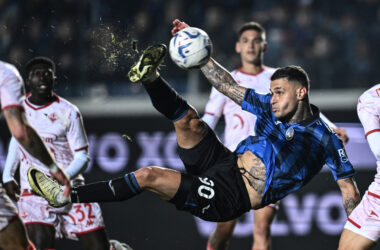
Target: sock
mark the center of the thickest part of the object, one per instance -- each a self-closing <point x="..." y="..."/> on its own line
<point x="118" y="189"/>
<point x="166" y="100"/>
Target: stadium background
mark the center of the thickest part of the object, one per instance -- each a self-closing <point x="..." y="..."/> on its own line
<point x="91" y="42"/>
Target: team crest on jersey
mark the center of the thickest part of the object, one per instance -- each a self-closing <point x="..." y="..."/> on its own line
<point x="289" y="134"/>
<point x="53" y="117"/>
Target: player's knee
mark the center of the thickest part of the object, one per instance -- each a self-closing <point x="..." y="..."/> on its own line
<point x="191" y="121"/>
<point x="146" y="177"/>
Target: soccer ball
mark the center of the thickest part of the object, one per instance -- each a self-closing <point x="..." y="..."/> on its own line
<point x="190" y="48"/>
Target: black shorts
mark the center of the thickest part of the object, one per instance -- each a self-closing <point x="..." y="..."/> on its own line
<point x="213" y="189"/>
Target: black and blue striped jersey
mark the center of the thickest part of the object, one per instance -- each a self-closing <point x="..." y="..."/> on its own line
<point x="292" y="153"/>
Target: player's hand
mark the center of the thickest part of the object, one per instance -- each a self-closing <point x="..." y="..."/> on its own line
<point x="62" y="178"/>
<point x="178" y="25"/>
<point x="13" y="190"/>
<point x="342" y="134"/>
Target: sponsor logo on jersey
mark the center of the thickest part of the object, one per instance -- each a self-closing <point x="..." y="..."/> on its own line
<point x="342" y="155"/>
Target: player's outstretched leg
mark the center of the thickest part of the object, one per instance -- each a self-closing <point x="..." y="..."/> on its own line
<point x="161" y="181"/>
<point x="188" y="125"/>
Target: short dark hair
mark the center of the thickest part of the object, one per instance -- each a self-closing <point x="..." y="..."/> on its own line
<point x="38" y="61"/>
<point x="251" y="26"/>
<point x="292" y="73"/>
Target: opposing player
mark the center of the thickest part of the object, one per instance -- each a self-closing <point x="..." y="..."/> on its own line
<point x="291" y="146"/>
<point x="362" y="229"/>
<point x="60" y="125"/>
<point x="12" y="230"/>
<point x="240" y="124"/>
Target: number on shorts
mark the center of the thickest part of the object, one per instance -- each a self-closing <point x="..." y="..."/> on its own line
<point x="78" y="210"/>
<point x="206" y="191"/>
<point x="90" y="215"/>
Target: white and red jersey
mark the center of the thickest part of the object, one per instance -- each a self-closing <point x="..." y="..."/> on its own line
<point x="11" y="86"/>
<point x="369" y="114"/>
<point x="60" y="125"/>
<point x="365" y="218"/>
<point x="239" y="123"/>
<point x="11" y="94"/>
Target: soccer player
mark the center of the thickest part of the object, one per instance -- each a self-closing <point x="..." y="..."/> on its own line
<point x="12" y="230"/>
<point x="362" y="229"/>
<point x="290" y="148"/>
<point x="60" y="125"/>
<point x="240" y="124"/>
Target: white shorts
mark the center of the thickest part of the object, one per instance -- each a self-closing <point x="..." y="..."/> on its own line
<point x="365" y="219"/>
<point x="68" y="221"/>
<point x="8" y="211"/>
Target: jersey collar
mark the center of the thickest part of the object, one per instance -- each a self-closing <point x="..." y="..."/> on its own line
<point x="258" y="73"/>
<point x="312" y="118"/>
<point x="32" y="106"/>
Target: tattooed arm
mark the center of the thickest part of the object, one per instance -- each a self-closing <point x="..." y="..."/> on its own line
<point x="350" y="194"/>
<point x="222" y="80"/>
<point x="31" y="141"/>
<point x="26" y="135"/>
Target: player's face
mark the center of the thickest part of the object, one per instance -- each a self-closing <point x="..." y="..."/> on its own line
<point x="41" y="80"/>
<point x="285" y="97"/>
<point x="251" y="47"/>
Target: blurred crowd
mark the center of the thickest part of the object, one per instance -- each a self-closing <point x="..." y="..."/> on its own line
<point x="91" y="41"/>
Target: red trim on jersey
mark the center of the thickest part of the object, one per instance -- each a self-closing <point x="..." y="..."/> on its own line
<point x="26" y="192"/>
<point x="371" y="131"/>
<point x="258" y="73"/>
<point x="82" y="148"/>
<point x="37" y="222"/>
<point x="374" y="195"/>
<point x="13" y="106"/>
<point x="241" y="120"/>
<point x="41" y="107"/>
<point x="354" y="223"/>
<point x="89" y="231"/>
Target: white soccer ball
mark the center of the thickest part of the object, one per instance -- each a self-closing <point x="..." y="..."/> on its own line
<point x="190" y="48"/>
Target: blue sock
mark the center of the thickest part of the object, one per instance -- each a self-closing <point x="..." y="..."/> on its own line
<point x="119" y="189"/>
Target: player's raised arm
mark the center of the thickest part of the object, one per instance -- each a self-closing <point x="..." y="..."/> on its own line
<point x="350" y="193"/>
<point x="217" y="75"/>
<point x="222" y="80"/>
<point x="30" y="140"/>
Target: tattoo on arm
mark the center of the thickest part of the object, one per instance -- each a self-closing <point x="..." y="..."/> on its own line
<point x="26" y="135"/>
<point x="349" y="205"/>
<point x="222" y="80"/>
<point x="350" y="194"/>
<point x="256" y="176"/>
